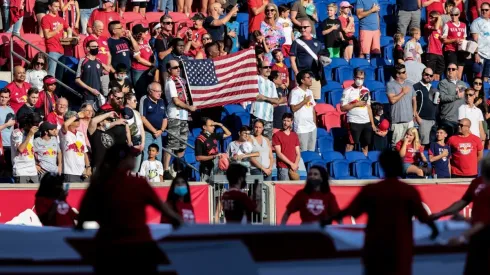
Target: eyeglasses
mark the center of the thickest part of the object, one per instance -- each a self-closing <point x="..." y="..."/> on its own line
<point x="485" y="10"/>
<point x="155" y="91"/>
<point x="470" y="95"/>
<point x="168" y="23"/>
<point x="477" y="83"/>
<point x="462" y="125"/>
<point x="40" y="63"/>
<point x="119" y="97"/>
<point x="304" y="27"/>
<point x="429" y="75"/>
<point x="174" y="68"/>
<point x="455" y="14"/>
<point x="266" y="67"/>
<point x="451" y="69"/>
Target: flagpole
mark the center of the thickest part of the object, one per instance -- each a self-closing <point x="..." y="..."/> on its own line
<point x="189" y="94"/>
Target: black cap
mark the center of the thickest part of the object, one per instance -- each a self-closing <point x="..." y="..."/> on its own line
<point x="139" y="28"/>
<point x="127" y="113"/>
<point x="46" y="126"/>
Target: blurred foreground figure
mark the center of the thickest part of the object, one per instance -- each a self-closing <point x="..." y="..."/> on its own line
<point x="390" y="205"/>
<point x="117" y="201"/>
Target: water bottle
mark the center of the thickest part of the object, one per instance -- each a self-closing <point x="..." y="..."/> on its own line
<point x="436" y="97"/>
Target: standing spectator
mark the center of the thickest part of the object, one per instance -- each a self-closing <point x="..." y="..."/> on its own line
<point x="121" y="80"/>
<point x="178" y="108"/>
<point x="369" y="28"/>
<point x="30" y="106"/>
<point x="286" y="145"/>
<point x="398" y="53"/>
<point x="481" y="102"/>
<point x="403" y="103"/>
<point x="47" y="97"/>
<point x="453" y="34"/>
<point x="104" y="54"/>
<point x="280" y="67"/>
<point x="452" y="94"/>
<point x="480" y="29"/>
<point x="76" y="164"/>
<point x="434" y="57"/>
<point x="89" y="72"/>
<point x="106" y="15"/>
<point x="261" y="165"/>
<point x="177" y="53"/>
<point x="70" y="11"/>
<point x="101" y="135"/>
<point x="414" y="68"/>
<point x="413" y="48"/>
<point x="232" y="31"/>
<point x="332" y="31"/>
<point x="448" y="7"/>
<point x="141" y="62"/>
<point x="87" y="7"/>
<point x="466" y="152"/>
<point x="16" y="16"/>
<point x="304" y="56"/>
<point x="263" y="108"/>
<point x="140" y="6"/>
<point x="18" y="88"/>
<point x="138" y="130"/>
<point x="356" y="101"/>
<point x="154" y="116"/>
<point x="287" y="28"/>
<point x="168" y="6"/>
<point x="303" y="10"/>
<point x="241" y="151"/>
<point x="193" y="36"/>
<point x="426" y="109"/>
<point x="24" y="165"/>
<point x="40" y="9"/>
<point x="433" y="5"/>
<point x="408" y="15"/>
<point x="282" y="106"/>
<point x="473" y="113"/>
<point x="37" y="71"/>
<point x="206" y="147"/>
<point x="272" y="29"/>
<point x="7" y="122"/>
<point x="152" y="168"/>
<point x="348" y="27"/>
<point x="53" y="27"/>
<point x="89" y="111"/>
<point x="47" y="150"/>
<point x="256" y="13"/>
<point x="216" y="25"/>
<point x="439" y="155"/>
<point x="303" y="107"/>
<point x="119" y="46"/>
<point x="179" y="199"/>
<point x="184" y="6"/>
<point x="57" y="117"/>
<point x="380" y="140"/>
<point x="162" y="42"/>
<point x="119" y="126"/>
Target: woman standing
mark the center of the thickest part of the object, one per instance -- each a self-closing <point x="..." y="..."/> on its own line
<point x="412" y="153"/>
<point x="261" y="165"/>
<point x="179" y="199"/>
<point x="272" y="29"/>
<point x="37" y="71"/>
<point x="117" y="200"/>
<point x="136" y="129"/>
<point x="141" y="63"/>
<point x="481" y="103"/>
<point x="315" y="202"/>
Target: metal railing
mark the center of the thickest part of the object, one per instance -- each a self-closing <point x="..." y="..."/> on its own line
<point x="13" y="53"/>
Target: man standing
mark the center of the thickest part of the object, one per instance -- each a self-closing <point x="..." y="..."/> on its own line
<point x="76" y="164"/>
<point x="47" y="150"/>
<point x="120" y="47"/>
<point x="262" y="108"/>
<point x="18" y="88"/>
<point x="304" y="56"/>
<point x="57" y="117"/>
<point x="480" y="31"/>
<point x="403" y="103"/>
<point x="162" y="42"/>
<point x="256" y="14"/>
<point x="466" y="152"/>
<point x="86" y="7"/>
<point x="408" y="15"/>
<point x="178" y="108"/>
<point x="356" y="101"/>
<point x="89" y="72"/>
<point x="118" y="128"/>
<point x="452" y="97"/>
<point x="24" y="165"/>
<point x="106" y="15"/>
<point x="286" y="144"/>
<point x="30" y="106"/>
<point x="303" y="107"/>
<point x="177" y="53"/>
<point x="7" y="122"/>
<point x="425" y="114"/>
<point x="369" y="29"/>
<point x="216" y="25"/>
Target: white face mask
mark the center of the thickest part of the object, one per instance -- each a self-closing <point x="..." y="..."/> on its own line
<point x="107" y="125"/>
<point x="359" y="82"/>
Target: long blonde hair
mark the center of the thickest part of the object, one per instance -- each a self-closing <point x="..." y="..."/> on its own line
<point x="276" y="14"/>
<point x="416" y="139"/>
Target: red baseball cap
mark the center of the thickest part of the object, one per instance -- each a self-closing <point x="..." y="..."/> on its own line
<point x="384" y="125"/>
<point x="49" y="80"/>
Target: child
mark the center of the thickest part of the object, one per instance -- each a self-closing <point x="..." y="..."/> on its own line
<point x="348" y="27"/>
<point x="232" y="30"/>
<point x="122" y="82"/>
<point x="280" y="67"/>
<point x="435" y="57"/>
<point x="287" y="28"/>
<point x="399" y="40"/>
<point x="439" y="154"/>
<point x="413" y="46"/>
<point x="448" y="6"/>
<point x="332" y="32"/>
<point x="380" y="141"/>
<point x="152" y="169"/>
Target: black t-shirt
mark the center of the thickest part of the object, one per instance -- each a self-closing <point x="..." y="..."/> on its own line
<point x="100" y="141"/>
<point x="332" y="39"/>
<point x="217" y="33"/>
<point x="162" y="43"/>
<point x="279" y="111"/>
<point x="379" y="142"/>
<point x="25" y="110"/>
<point x="120" y="51"/>
<point x="424" y="100"/>
<point x="127" y="83"/>
<point x="88" y="4"/>
<point x="207" y="145"/>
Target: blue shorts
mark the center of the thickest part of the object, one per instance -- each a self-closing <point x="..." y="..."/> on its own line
<point x="405" y="167"/>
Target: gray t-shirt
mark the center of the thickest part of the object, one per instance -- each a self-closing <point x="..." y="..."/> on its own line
<point x="46" y="153"/>
<point x="7" y="132"/>
<point x="235" y="148"/>
<point x="402" y="111"/>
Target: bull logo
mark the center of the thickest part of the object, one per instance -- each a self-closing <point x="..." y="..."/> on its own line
<point x="465" y="148"/>
<point x="316" y="207"/>
<point x="76" y="147"/>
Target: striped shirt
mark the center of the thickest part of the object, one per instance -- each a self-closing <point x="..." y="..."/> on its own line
<point x="262" y="109"/>
<point x="175" y="87"/>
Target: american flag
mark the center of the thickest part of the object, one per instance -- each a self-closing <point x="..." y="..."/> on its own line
<point x="230" y="79"/>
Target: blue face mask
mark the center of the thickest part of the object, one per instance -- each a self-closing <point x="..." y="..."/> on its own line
<point x="181" y="190"/>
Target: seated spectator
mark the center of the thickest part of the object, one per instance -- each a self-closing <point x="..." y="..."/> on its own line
<point x="332" y="32"/>
<point x="30" y="106"/>
<point x="37" y="71"/>
<point x="380" y="140"/>
<point x="272" y="29"/>
<point x="104" y="54"/>
<point x="282" y="107"/>
<point x="151" y="168"/>
<point x="18" y="88"/>
<point x="106" y="15"/>
<point x="47" y="97"/>
<point x="89" y="73"/>
<point x="261" y="165"/>
<point x="24" y="165"/>
<point x="412" y="153"/>
<point x="121" y="80"/>
<point x="76" y="163"/>
<point x="398" y="53"/>
<point x="466" y="152"/>
<point x="179" y="199"/>
<point x="473" y="113"/>
<point x="286" y="144"/>
<point x="57" y="117"/>
<point x="348" y="27"/>
<point x="413" y="46"/>
<point x="439" y="155"/>
<point x="47" y="151"/>
<point x="241" y="151"/>
<point x="193" y="36"/>
<point x="141" y="63"/>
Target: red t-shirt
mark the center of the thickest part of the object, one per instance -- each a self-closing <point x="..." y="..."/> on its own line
<point x="454" y="32"/>
<point x="283" y="71"/>
<point x="197" y="35"/>
<point x="344" y="21"/>
<point x="106" y="17"/>
<point x="473" y="189"/>
<point x="390" y="206"/>
<point x="434" y="39"/>
<point x="55" y="119"/>
<point x="47" y="103"/>
<point x="435" y="6"/>
<point x="464" y="154"/>
<point x="53" y="44"/>
<point x="255" y="20"/>
<point x="237" y="205"/>
<point x="411" y="155"/>
<point x="64" y="216"/>
<point x="288" y="146"/>
<point x="185" y="210"/>
<point x="18" y="95"/>
<point x="313" y="207"/>
<point x="104" y="52"/>
<point x="146" y="53"/>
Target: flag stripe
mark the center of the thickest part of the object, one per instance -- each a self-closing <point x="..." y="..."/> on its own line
<point x="220" y="102"/>
<point x="236" y="82"/>
<point x="230" y="93"/>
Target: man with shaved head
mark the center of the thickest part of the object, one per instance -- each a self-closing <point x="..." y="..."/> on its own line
<point x="466" y="151"/>
<point x="214" y="24"/>
<point x="18" y="88"/>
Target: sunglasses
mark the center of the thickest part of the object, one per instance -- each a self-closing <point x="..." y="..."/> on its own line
<point x="470" y="94"/>
<point x="477" y="83"/>
<point x="266" y="67"/>
<point x="429" y="75"/>
<point x="454" y="14"/>
<point x="174" y="68"/>
<point x="119" y="97"/>
<point x="451" y="69"/>
<point x="461" y="125"/>
<point x="40" y="63"/>
<point x="270" y="10"/>
<point x="304" y="27"/>
<point x="168" y="23"/>
<point x="485" y="10"/>
<point x="402" y="72"/>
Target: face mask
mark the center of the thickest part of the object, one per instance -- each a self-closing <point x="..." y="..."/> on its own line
<point x="107" y="125"/>
<point x="94" y="51"/>
<point x="180" y="190"/>
<point x="359" y="82"/>
<point x="314" y="182"/>
<point x="121" y="77"/>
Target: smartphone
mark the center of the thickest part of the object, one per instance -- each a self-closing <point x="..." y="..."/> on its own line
<point x="66" y="186"/>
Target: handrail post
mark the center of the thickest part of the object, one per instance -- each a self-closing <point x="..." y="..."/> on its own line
<point x="11" y="58"/>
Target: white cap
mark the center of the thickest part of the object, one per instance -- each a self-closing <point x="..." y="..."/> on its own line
<point x="157" y="26"/>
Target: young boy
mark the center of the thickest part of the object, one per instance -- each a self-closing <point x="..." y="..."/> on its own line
<point x="287" y="28"/>
<point x="121" y="81"/>
<point x="448" y="6"/>
<point x="439" y="154"/>
<point x="413" y="47"/>
<point x="152" y="169"/>
<point x="435" y="57"/>
<point x="332" y="32"/>
<point x="280" y="67"/>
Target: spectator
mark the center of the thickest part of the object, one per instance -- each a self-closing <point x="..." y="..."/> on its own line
<point x="433" y="6"/>
<point x="121" y="6"/>
<point x="47" y="97"/>
<point x="162" y="42"/>
<point x="347" y="24"/>
<point x="89" y="73"/>
<point x="412" y="153"/>
<point x="332" y="32"/>
<point x="87" y="7"/>
<point x="104" y="55"/>
<point x="57" y="117"/>
<point x="53" y="27"/>
<point x="206" y="147"/>
<point x="106" y="15"/>
<point x="138" y="130"/>
<point x="47" y="151"/>
<point x="89" y="111"/>
<point x="70" y="11"/>
<point x="178" y="108"/>
<point x="287" y="28"/>
<point x="435" y="58"/>
<point x="380" y="140"/>
<point x="369" y="33"/>
<point x="263" y="108"/>
<point x="211" y="49"/>
<point x="472" y="113"/>
<point x="256" y="14"/>
<point x="139" y="6"/>
<point x="167" y="6"/>
<point x="414" y="68"/>
<point x="76" y="164"/>
<point x="280" y="67"/>
<point x="119" y="46"/>
<point x="154" y="116"/>
<point x="216" y="25"/>
<point x="241" y="151"/>
<point x="356" y="101"/>
<point x="303" y="10"/>
<point x="448" y="7"/>
<point x="141" y="63"/>
<point x="100" y="135"/>
<point x="453" y="33"/>
<point x="286" y="145"/>
<point x="398" y="53"/>
<point x="271" y="28"/>
<point x="403" y="102"/>
<point x="179" y="199"/>
<point x="119" y="127"/>
<point x="232" y="31"/>
<point x="121" y="80"/>
<point x="304" y="56"/>
<point x="24" y="165"/>
<point x="37" y="71"/>
<point x="303" y="106"/>
<point x="41" y="8"/>
<point x="16" y="16"/>
<point x="30" y="106"/>
<point x="439" y="155"/>
<point x="282" y="106"/>
<point x="258" y="42"/>
<point x="408" y="15"/>
<point x="261" y="165"/>
<point x="177" y="53"/>
<point x="426" y="109"/>
<point x="452" y="93"/>
<point x="193" y="36"/>
<point x="479" y="33"/>
<point x="18" y="88"/>
<point x="466" y="152"/>
<point x="152" y="168"/>
<point x="184" y="6"/>
<point x="481" y="102"/>
<point x="7" y="121"/>
<point x="155" y="32"/>
<point x="413" y="48"/>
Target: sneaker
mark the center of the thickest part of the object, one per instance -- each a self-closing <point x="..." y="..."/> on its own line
<point x="167" y="175"/>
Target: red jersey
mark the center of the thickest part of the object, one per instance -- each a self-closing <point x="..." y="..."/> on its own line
<point x="344" y="22"/>
<point x="64" y="217"/>
<point x="18" y="95"/>
<point x="146" y="53"/>
<point x="197" y="35"/>
<point x="50" y="22"/>
<point x="453" y="31"/>
<point x="434" y="39"/>
<point x="464" y="154"/>
<point x="313" y="207"/>
<point x="237" y="205"/>
<point x="104" y="52"/>
<point x="412" y="156"/>
<point x="106" y="17"/>
<point x="288" y="145"/>
<point x="255" y="20"/>
<point x="390" y="206"/>
<point x="46" y="103"/>
<point x="184" y="209"/>
<point x="55" y="119"/>
<point x="16" y="12"/>
<point x="283" y="71"/>
<point x="435" y="6"/>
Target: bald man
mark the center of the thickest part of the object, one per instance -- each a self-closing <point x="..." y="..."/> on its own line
<point x="216" y="25"/>
<point x="56" y="117"/>
<point x="104" y="54"/>
<point x="18" y="88"/>
<point x="466" y="151"/>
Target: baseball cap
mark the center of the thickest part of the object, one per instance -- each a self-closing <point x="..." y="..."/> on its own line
<point x="49" y="80"/>
<point x="198" y="16"/>
<point x="157" y="26"/>
<point x="344" y="4"/>
<point x="46" y="126"/>
<point x="127" y="113"/>
<point x="384" y="125"/>
<point x="139" y="28"/>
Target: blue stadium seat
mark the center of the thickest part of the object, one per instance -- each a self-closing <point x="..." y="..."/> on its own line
<point x="230" y="109"/>
<point x="373" y="156"/>
<point x="334" y="96"/>
<point x="331" y="156"/>
<point x="3" y="83"/>
<point x="325" y="144"/>
<point x="309" y="156"/>
<point x="321" y="11"/>
<point x="379" y="95"/>
<point x="196" y="132"/>
<point x="422" y="41"/>
<point x="242" y="17"/>
<point x="386" y="40"/>
<point x="369" y="72"/>
<point x="321" y="132"/>
<point x="382" y="28"/>
<point x="340" y="170"/>
<point x="388" y="53"/>
<point x="318" y="162"/>
<point x="378" y="171"/>
<point x="358" y="62"/>
<point x="344" y="73"/>
<point x="363" y="170"/>
<point x="338" y="62"/>
<point x="486" y="89"/>
<point x="373" y="85"/>
<point x="327" y="88"/>
<point x="353" y="156"/>
<point x="327" y="72"/>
